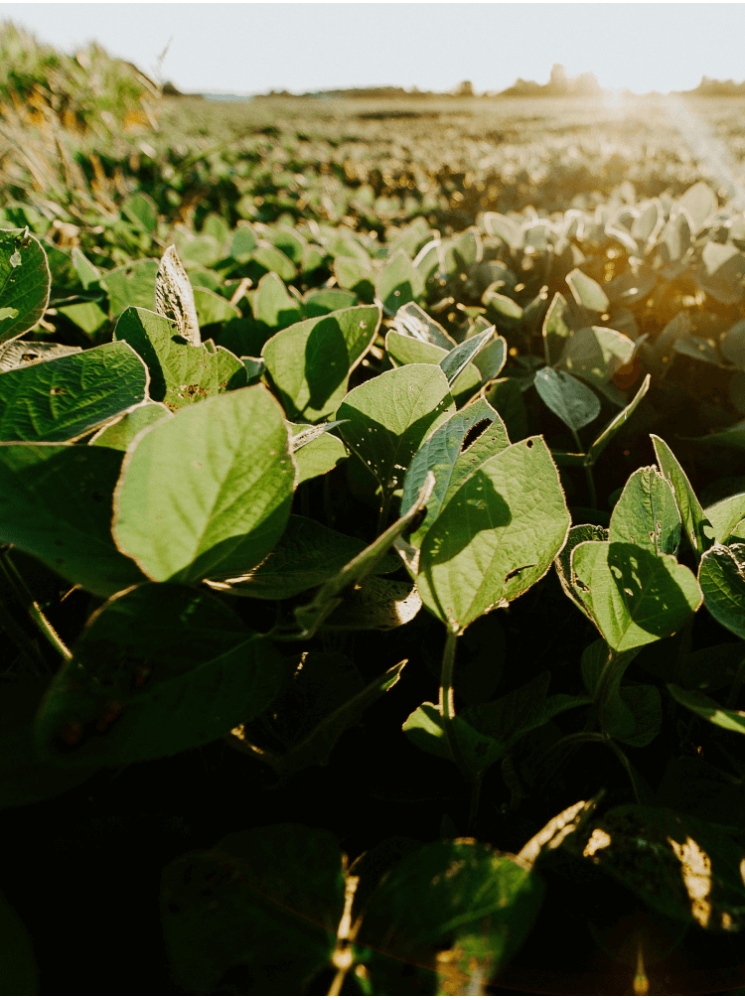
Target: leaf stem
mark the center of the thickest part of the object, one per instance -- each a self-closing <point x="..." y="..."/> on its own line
<point x="32" y="606"/>
<point x="602" y="690"/>
<point x="447" y="701"/>
<point x="385" y="507"/>
<point x="588" y="471"/>
<point x="627" y="767"/>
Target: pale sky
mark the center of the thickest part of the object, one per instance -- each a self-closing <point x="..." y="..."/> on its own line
<point x="257" y="47"/>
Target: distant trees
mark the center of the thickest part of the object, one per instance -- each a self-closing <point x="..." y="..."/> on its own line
<point x="559" y="85"/>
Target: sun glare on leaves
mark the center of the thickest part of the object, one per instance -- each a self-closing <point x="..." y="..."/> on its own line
<point x="597" y="842"/>
<point x="697" y="877"/>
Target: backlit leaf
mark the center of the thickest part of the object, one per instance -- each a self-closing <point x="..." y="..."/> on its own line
<point x="572" y="401"/>
<point x="24" y="283"/>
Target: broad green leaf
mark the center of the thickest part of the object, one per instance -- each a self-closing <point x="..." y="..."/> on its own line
<point x="311" y="616"/>
<point x="375" y="604"/>
<point x="180" y="373"/>
<point x="412" y="321"/>
<point x="640" y="717"/>
<point x="255" y="368"/>
<point x="398" y="283"/>
<point x="556" y="329"/>
<point x="425" y="729"/>
<point x="160" y="668"/>
<point x="457" y="907"/>
<point x="207" y="493"/>
<point x="709" y="709"/>
<point x="447" y="454"/>
<point x="263" y="905"/>
<point x="213" y="308"/>
<point x="491" y="359"/>
<point x="310" y="362"/>
<point x="63" y="399"/>
<point x="24" y="283"/>
<point x="700" y="203"/>
<point x="141" y="211"/>
<point x="55" y="504"/>
<point x="697" y="527"/>
<point x="578" y="533"/>
<point x="307" y="555"/>
<point x="131" y="285"/>
<point x="679" y="865"/>
<point x="721" y="575"/>
<point x="725" y="516"/>
<point x="273" y="304"/>
<point x="595" y="353"/>
<point x="355" y="275"/>
<point x="18" y="973"/>
<point x="456" y="360"/>
<point x="587" y="292"/>
<point x="243" y="243"/>
<point x="120" y="433"/>
<point x="289" y="241"/>
<point x="411" y="238"/>
<point x="319" y="455"/>
<point x="389" y="416"/>
<point x="496" y="537"/>
<point x="646" y="513"/>
<point x="609" y="432"/>
<point x="322" y="301"/>
<point x="405" y="350"/>
<point x="502" y="307"/>
<point x="89" y="316"/>
<point x="633" y="595"/>
<point x="275" y="262"/>
<point x="571" y="400"/>
<point x="86" y="271"/>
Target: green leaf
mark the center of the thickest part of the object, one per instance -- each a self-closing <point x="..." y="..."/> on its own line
<point x="446" y="454"/>
<point x="412" y="321"/>
<point x="722" y="273"/>
<point x="425" y="729"/>
<point x="700" y="204"/>
<point x="319" y="455"/>
<point x="18" y="974"/>
<point x="610" y="431"/>
<point x="141" y="211"/>
<point x="213" y="308"/>
<point x="641" y="720"/>
<point x="725" y="516"/>
<point x="646" y="513"/>
<point x="556" y="329"/>
<point x="709" y="709"/>
<point x="89" y="316"/>
<point x="587" y="292"/>
<point x="310" y="362"/>
<point x="502" y="307"/>
<point x="63" y="399"/>
<point x="721" y="575"/>
<point x="17" y="353"/>
<point x="207" y="494"/>
<point x="595" y="353"/>
<point x="578" y="533"/>
<point x="456" y="360"/>
<point x="678" y="865"/>
<point x="120" y="433"/>
<point x="389" y="416"/>
<point x="131" y="285"/>
<point x="398" y="283"/>
<point x="321" y="301"/>
<point x="633" y="595"/>
<point x="457" y="907"/>
<point x="273" y="304"/>
<point x="263" y="905"/>
<point x="571" y="400"/>
<point x="181" y="373"/>
<point x="375" y="604"/>
<point x="405" y="350"/>
<point x="243" y="243"/>
<point x="496" y="537"/>
<point x="55" y="504"/>
<point x="504" y="228"/>
<point x="157" y="670"/>
<point x="307" y="555"/>
<point x="355" y="275"/>
<point x="697" y="527"/>
<point x="275" y="261"/>
<point x="24" y="283"/>
<point x="506" y="396"/>
<point x="87" y="272"/>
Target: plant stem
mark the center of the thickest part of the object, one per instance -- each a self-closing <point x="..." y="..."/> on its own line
<point x="32" y="607"/>
<point x="627" y="767"/>
<point x="385" y="507"/>
<point x="447" y="702"/>
<point x="588" y="472"/>
<point x="600" y="698"/>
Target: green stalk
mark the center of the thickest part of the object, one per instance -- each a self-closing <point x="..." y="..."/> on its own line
<point x="627" y="767"/>
<point x="602" y="690"/>
<point x="588" y="472"/>
<point x="447" y="701"/>
<point x="385" y="507"/>
<point x="32" y="606"/>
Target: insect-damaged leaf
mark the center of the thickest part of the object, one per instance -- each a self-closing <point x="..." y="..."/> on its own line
<point x="181" y="373"/>
<point x="389" y="416"/>
<point x="721" y="575"/>
<point x="455" y="908"/>
<point x="571" y="400"/>
<point x="578" y="533"/>
<point x="633" y="595"/>
<point x="496" y="537"/>
<point x="243" y="907"/>
<point x="62" y="399"/>
<point x="158" y="669"/>
<point x="646" y="513"/>
<point x="207" y="493"/>
<point x="310" y="362"/>
<point x="452" y="457"/>
<point x="55" y="504"/>
<point x="24" y="283"/>
<point x="174" y="297"/>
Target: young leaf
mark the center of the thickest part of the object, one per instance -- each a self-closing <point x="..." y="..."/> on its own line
<point x="633" y="595"/>
<point x="587" y="292"/>
<point x="55" y="504"/>
<point x="131" y="285"/>
<point x="310" y="362"/>
<point x="65" y="398"/>
<point x="405" y="350"/>
<point x="412" y="321"/>
<point x="273" y="305"/>
<point x="721" y="575"/>
<point x="571" y="400"/>
<point x="447" y="455"/>
<point x="646" y="513"/>
<point x="709" y="709"/>
<point x="213" y="308"/>
<point x="596" y="353"/>
<point x="158" y="669"/>
<point x="578" y="533"/>
<point x="599" y="445"/>
<point x="263" y="904"/>
<point x="425" y="729"/>
<point x="24" y="283"/>
<point x="697" y="527"/>
<point x="725" y="516"/>
<point x="398" y="283"/>
<point x="207" y="494"/>
<point x="390" y="415"/>
<point x="120" y="433"/>
<point x="556" y="329"/>
<point x="496" y="537"/>
<point x="317" y="454"/>
<point x="181" y="373"/>
<point x="459" y="357"/>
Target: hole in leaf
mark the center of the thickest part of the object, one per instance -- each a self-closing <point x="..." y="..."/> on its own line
<point x="474" y="433"/>
<point x="529" y="443"/>
<point x="515" y="572"/>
